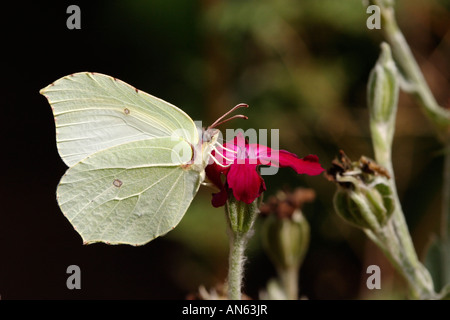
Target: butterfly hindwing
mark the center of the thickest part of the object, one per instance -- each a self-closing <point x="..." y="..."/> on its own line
<point x="131" y="193"/>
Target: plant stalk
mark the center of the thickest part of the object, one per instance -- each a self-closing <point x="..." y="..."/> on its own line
<point x="236" y="266"/>
<point x="240" y="217"/>
<point x="415" y="81"/>
<point x="394" y="238"/>
<point x="289" y="281"/>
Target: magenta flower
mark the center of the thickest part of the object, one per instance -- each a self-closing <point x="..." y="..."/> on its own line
<point x="239" y="163"/>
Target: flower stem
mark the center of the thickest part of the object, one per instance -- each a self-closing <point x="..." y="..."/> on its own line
<point x="393" y="243"/>
<point x="236" y="266"/>
<point x="414" y="80"/>
<point x="240" y="217"/>
<point x="394" y="238"/>
<point x="289" y="281"/>
<point x="415" y="83"/>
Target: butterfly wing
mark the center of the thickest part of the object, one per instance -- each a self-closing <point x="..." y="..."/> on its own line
<point x="94" y="112"/>
<point x="131" y="193"/>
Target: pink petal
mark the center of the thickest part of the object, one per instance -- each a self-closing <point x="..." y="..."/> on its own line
<point x="220" y="198"/>
<point x="245" y="181"/>
<point x="262" y="154"/>
<point x="281" y="158"/>
<point x="213" y="172"/>
<point x="239" y="139"/>
<point x="308" y="165"/>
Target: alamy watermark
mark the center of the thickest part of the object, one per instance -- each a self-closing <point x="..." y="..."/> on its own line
<point x="74" y="20"/>
<point x="74" y="280"/>
<point x="374" y="280"/>
<point x="374" y="21"/>
<point x="239" y="146"/>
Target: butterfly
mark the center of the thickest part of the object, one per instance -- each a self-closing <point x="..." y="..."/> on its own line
<point x="135" y="161"/>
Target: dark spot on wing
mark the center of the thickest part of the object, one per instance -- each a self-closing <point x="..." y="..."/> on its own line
<point x="117" y="183"/>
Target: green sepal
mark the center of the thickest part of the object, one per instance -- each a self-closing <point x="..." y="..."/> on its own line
<point x="368" y="208"/>
<point x="241" y="215"/>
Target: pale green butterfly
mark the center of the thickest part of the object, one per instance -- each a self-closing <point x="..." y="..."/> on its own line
<point x="135" y="161"/>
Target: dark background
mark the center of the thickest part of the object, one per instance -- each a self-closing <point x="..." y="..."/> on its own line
<point x="302" y="66"/>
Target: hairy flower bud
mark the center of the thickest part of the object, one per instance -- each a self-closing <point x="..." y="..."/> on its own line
<point x="286" y="240"/>
<point x="383" y="87"/>
<point x="367" y="207"/>
<point x="364" y="196"/>
<point x="285" y="231"/>
<point x="382" y="99"/>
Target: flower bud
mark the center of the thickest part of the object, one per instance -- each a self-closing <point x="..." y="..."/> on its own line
<point x="368" y="208"/>
<point x="364" y="196"/>
<point x="285" y="237"/>
<point x="286" y="240"/>
<point x="285" y="231"/>
<point x="383" y="87"/>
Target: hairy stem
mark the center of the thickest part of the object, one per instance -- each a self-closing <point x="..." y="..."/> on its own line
<point x="392" y="242"/>
<point x="236" y="266"/>
<point x="289" y="281"/>
<point x="240" y="217"/>
<point x="415" y="81"/>
<point x="395" y="240"/>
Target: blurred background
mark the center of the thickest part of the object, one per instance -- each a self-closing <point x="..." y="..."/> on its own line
<point x="302" y="66"/>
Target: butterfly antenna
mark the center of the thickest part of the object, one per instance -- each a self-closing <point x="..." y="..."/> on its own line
<point x="221" y="120"/>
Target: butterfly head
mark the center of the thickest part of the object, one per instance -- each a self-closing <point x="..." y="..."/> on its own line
<point x="210" y="139"/>
<point x="210" y="136"/>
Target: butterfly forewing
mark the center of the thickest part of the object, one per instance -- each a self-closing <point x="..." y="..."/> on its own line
<point x="94" y="112"/>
